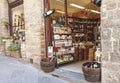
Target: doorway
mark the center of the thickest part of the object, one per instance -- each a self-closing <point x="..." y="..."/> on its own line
<point x="75" y="32"/>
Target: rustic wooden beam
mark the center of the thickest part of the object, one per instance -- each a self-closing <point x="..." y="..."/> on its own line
<point x="16" y="3"/>
<point x="10" y="22"/>
<point x="8" y="2"/>
<point x="10" y="18"/>
<point x="48" y="25"/>
<point x="46" y="46"/>
<point x="66" y="13"/>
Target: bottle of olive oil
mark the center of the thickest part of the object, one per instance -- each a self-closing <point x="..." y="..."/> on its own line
<point x="98" y="55"/>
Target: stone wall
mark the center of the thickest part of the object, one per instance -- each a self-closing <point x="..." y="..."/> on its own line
<point x="110" y="35"/>
<point x="34" y="26"/>
<point x="3" y="17"/>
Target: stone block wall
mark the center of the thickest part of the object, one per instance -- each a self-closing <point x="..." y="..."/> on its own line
<point x="34" y="26"/>
<point x="110" y="41"/>
<point x="34" y="47"/>
<point x="3" y="17"/>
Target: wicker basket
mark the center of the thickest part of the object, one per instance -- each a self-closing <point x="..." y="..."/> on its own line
<point x="92" y="74"/>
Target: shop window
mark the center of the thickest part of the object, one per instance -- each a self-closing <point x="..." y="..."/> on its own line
<point x="18" y="25"/>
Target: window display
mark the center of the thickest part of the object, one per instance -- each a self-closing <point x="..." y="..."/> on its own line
<point x="18" y="24"/>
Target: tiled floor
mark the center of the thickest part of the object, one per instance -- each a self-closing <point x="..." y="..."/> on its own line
<point x="75" y="67"/>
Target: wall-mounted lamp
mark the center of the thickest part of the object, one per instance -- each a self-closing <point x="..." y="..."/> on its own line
<point x="97" y="2"/>
<point x="49" y="12"/>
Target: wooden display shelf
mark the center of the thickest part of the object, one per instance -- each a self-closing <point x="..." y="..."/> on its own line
<point x="82" y="26"/>
<point x="65" y="62"/>
<point x="78" y="23"/>
<point x="82" y="23"/>
<point x="62" y="33"/>
<point x="18" y="25"/>
<point x="78" y="32"/>
<point x="61" y="39"/>
<point x="64" y="42"/>
<point x="63" y="47"/>
<point x="64" y="54"/>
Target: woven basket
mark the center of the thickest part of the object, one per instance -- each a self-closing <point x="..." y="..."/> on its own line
<point x="92" y="74"/>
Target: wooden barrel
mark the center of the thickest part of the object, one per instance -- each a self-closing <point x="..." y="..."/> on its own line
<point x="47" y="66"/>
<point x="92" y="74"/>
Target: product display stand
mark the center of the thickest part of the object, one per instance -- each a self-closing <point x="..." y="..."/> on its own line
<point x="62" y="44"/>
<point x="19" y="29"/>
<point x="84" y="33"/>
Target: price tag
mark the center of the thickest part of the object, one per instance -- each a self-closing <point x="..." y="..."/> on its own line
<point x="50" y="51"/>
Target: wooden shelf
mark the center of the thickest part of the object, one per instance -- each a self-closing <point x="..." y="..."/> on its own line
<point x="61" y="39"/>
<point x="18" y="25"/>
<point x="83" y="26"/>
<point x="68" y="39"/>
<point x="64" y="47"/>
<point x="62" y="33"/>
<point x="78" y="23"/>
<point x="65" y="62"/>
<point x="78" y="32"/>
<point x="22" y="30"/>
<point x="64" y="54"/>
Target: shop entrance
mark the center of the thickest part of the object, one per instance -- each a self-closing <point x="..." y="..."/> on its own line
<point x="75" y="32"/>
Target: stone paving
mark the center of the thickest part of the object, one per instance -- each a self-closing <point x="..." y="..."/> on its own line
<point x="12" y="71"/>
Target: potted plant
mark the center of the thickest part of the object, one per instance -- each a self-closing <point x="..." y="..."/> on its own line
<point x="47" y="64"/>
<point x="15" y="50"/>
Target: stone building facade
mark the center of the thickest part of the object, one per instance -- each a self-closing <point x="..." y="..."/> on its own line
<point x="3" y="17"/>
<point x="34" y="46"/>
<point x="34" y="27"/>
<point x="110" y="41"/>
<point x="35" y="35"/>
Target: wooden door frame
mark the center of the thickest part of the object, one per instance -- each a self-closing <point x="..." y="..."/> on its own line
<point x="10" y="6"/>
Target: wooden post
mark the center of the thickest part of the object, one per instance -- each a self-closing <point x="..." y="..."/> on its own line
<point x="48" y="25"/>
<point x="66" y="13"/>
